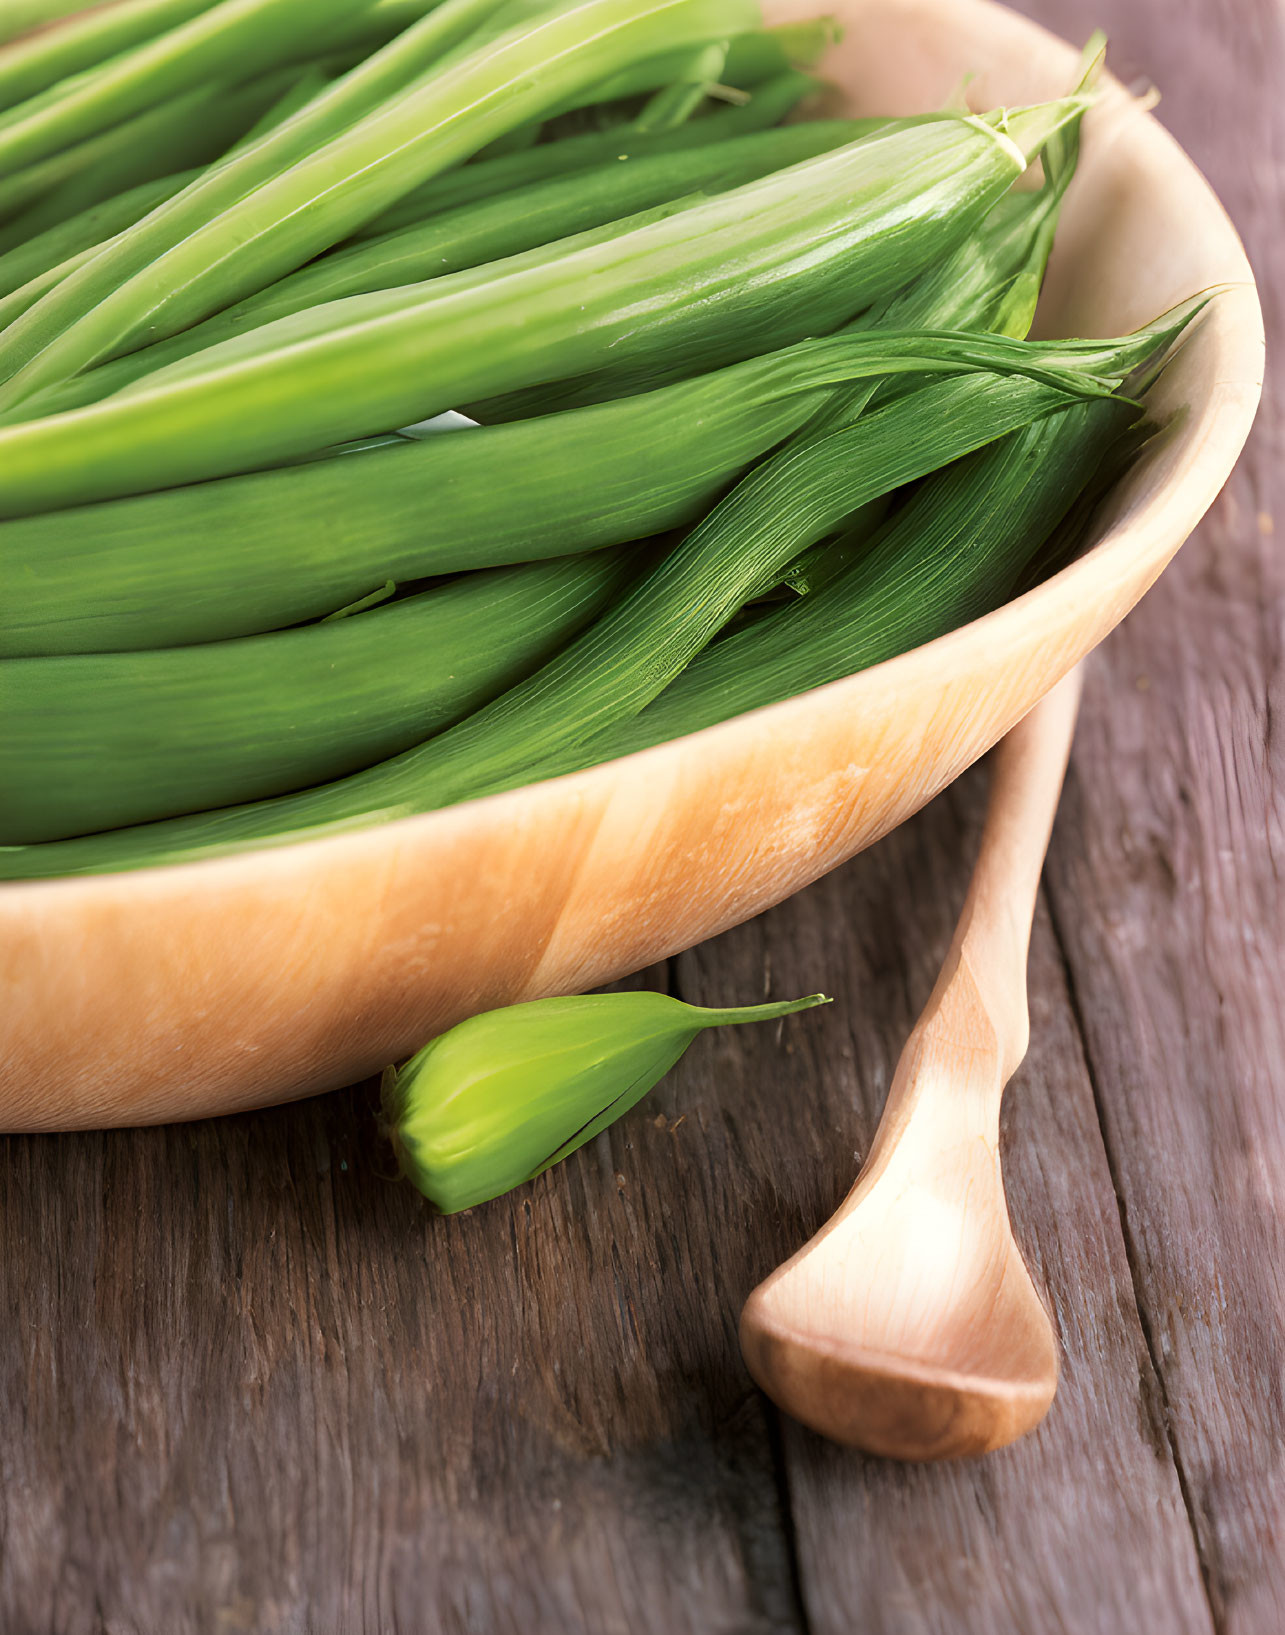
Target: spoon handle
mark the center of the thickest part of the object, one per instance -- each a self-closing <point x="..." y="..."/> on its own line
<point x="973" y="1032"/>
<point x="992" y="940"/>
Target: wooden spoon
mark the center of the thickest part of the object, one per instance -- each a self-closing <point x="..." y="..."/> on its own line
<point x="909" y="1325"/>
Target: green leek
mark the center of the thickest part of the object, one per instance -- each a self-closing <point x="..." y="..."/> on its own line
<point x="504" y="1096"/>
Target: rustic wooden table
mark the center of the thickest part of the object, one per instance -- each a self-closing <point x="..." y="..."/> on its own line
<point x="251" y="1384"/>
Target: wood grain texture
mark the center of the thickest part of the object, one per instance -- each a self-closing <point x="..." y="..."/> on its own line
<point x="248" y="1383"/>
<point x="251" y="1383"/>
<point x="257" y="1386"/>
<point x="1171" y="907"/>
<point x="1080" y="1527"/>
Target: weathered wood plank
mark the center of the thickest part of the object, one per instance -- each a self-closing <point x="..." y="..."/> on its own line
<point x="250" y="1383"/>
<point x="1081" y="1528"/>
<point x="1171" y="906"/>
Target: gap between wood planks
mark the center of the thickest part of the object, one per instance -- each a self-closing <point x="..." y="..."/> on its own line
<point x="1002" y="1543"/>
<point x="1144" y="1321"/>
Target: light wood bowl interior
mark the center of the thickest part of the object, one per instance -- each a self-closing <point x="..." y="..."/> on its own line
<point x="181" y="992"/>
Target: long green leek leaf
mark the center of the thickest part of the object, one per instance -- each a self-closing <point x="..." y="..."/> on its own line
<point x="105" y="577"/>
<point x="193" y="129"/>
<point x="755" y="267"/>
<point x="85" y="40"/>
<point x="627" y="656"/>
<point x="19" y="16"/>
<point x="485" y="177"/>
<point x="56" y="246"/>
<point x="232" y="39"/>
<point x="93" y="741"/>
<point x="955" y="551"/>
<point x="441" y="119"/>
<point x="57" y="338"/>
<point x="748" y="60"/>
<point x="65" y="245"/>
<point x="469" y="236"/>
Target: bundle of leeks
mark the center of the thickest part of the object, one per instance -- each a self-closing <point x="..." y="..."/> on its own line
<point x="749" y="404"/>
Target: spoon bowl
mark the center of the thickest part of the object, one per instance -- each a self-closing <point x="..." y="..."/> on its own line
<point x="909" y="1325"/>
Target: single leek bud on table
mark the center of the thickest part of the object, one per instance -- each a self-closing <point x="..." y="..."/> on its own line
<point x="506" y="1095"/>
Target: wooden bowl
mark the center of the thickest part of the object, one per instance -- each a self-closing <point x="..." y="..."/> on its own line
<point x="180" y="992"/>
